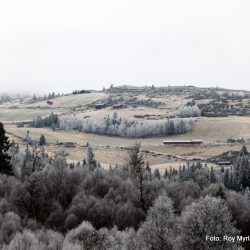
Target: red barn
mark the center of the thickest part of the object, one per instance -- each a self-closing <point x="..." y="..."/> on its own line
<point x="49" y="103"/>
<point x="183" y="142"/>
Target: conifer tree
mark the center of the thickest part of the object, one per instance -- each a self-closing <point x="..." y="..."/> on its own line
<point x="42" y="140"/>
<point x="136" y="161"/>
<point x="227" y="179"/>
<point x="243" y="151"/>
<point x="5" y="166"/>
<point x="212" y="175"/>
<point x="157" y="174"/>
<point x="91" y="158"/>
<point x="137" y="170"/>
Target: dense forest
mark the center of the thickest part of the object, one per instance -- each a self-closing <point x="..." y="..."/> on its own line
<point x="48" y="203"/>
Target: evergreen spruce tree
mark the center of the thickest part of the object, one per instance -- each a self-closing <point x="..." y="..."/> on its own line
<point x="136" y="161"/>
<point x="91" y="158"/>
<point x="84" y="162"/>
<point x="166" y="173"/>
<point x="231" y="179"/>
<point x="243" y="151"/>
<point x="148" y="167"/>
<point x="137" y="170"/>
<point x="42" y="140"/>
<point x="227" y="179"/>
<point x="5" y="166"/>
<point x="212" y="175"/>
<point x="157" y="174"/>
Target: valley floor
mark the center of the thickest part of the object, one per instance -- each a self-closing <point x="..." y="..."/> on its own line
<point x="113" y="150"/>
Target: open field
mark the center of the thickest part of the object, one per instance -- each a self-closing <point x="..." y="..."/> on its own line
<point x="170" y="104"/>
<point x="114" y="150"/>
<point x="110" y="150"/>
<point x="201" y="152"/>
<point x="129" y="113"/>
<point x="24" y="114"/>
<point x="67" y="101"/>
<point x="70" y="101"/>
<point x="221" y="128"/>
<point x="209" y="129"/>
<point x="74" y="136"/>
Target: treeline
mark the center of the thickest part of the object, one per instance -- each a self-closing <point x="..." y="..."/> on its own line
<point x="118" y="126"/>
<point x="235" y="178"/>
<point x="51" y="121"/>
<point x="46" y="97"/>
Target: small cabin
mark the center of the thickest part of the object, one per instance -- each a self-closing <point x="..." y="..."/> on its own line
<point x="241" y="141"/>
<point x="119" y="106"/>
<point x="234" y="141"/>
<point x="100" y="106"/>
<point x="69" y="144"/>
<point x="231" y="140"/>
<point x="224" y="163"/>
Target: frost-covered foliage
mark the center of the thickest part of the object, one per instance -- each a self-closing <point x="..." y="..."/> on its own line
<point x="117" y="126"/>
<point x="24" y="241"/>
<point x="157" y="232"/>
<point x="84" y="235"/>
<point x="10" y="225"/>
<point x="188" y="111"/>
<point x="37" y="240"/>
<point x="207" y="217"/>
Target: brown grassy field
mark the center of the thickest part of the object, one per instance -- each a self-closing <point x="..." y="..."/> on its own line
<point x="24" y="114"/>
<point x="112" y="150"/>
<point x="109" y="150"/>
<point x="71" y="100"/>
<point x="222" y="128"/>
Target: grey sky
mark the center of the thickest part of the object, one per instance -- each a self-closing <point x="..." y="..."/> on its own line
<point x="57" y="45"/>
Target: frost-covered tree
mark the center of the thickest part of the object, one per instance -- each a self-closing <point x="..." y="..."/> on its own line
<point x="11" y="224"/>
<point x="116" y="240"/>
<point x="118" y="126"/>
<point x="157" y="232"/>
<point x="25" y="241"/>
<point x="188" y="111"/>
<point x="84" y="235"/>
<point x="208" y="216"/>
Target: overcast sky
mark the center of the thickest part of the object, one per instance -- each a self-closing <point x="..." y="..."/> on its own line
<point x="62" y="45"/>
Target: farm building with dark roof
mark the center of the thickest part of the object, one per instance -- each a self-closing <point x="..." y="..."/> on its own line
<point x="183" y="142"/>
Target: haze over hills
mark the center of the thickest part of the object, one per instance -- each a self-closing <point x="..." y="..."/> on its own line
<point x="72" y="87"/>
